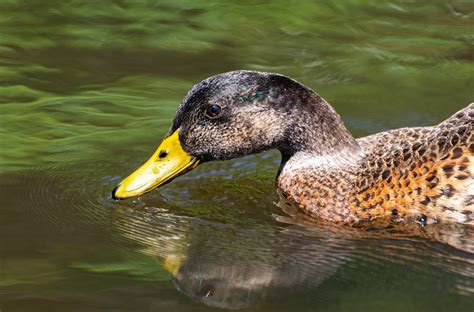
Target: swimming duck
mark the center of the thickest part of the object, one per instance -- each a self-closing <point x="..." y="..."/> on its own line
<point x="423" y="174"/>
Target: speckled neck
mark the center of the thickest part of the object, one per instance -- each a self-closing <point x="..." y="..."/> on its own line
<point x="318" y="131"/>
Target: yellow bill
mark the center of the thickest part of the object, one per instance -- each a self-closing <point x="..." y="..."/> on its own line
<point x="168" y="162"/>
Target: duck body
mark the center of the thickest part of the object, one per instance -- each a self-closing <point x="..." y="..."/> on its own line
<point x="424" y="174"/>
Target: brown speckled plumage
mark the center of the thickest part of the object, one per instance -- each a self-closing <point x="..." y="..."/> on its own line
<point x="421" y="174"/>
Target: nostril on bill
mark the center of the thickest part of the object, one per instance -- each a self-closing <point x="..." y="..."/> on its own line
<point x="162" y="154"/>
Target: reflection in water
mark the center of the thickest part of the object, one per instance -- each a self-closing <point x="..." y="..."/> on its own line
<point x="233" y="264"/>
<point x="226" y="266"/>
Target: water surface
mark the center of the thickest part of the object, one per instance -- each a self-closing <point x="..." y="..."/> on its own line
<point x="88" y="91"/>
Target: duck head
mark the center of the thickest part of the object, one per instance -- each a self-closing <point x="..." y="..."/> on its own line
<point x="235" y="114"/>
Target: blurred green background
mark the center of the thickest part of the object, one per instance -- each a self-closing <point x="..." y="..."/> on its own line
<point x="79" y="77"/>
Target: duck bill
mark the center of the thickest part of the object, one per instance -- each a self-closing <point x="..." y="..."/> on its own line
<point x="168" y="162"/>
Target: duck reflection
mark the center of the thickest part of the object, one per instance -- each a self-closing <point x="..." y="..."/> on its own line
<point x="231" y="267"/>
<point x="234" y="267"/>
<point x="232" y="270"/>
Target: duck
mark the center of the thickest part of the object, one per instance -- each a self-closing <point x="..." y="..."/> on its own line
<point x="418" y="174"/>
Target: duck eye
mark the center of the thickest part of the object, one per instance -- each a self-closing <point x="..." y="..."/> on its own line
<point x="213" y="110"/>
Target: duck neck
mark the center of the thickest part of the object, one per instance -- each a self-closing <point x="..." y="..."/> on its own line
<point x="317" y="130"/>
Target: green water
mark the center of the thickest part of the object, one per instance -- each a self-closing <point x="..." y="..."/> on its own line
<point x="87" y="91"/>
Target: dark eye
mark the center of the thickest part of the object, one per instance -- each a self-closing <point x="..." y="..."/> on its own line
<point x="213" y="110"/>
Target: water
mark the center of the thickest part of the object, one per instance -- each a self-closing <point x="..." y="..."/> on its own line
<point x="88" y="91"/>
